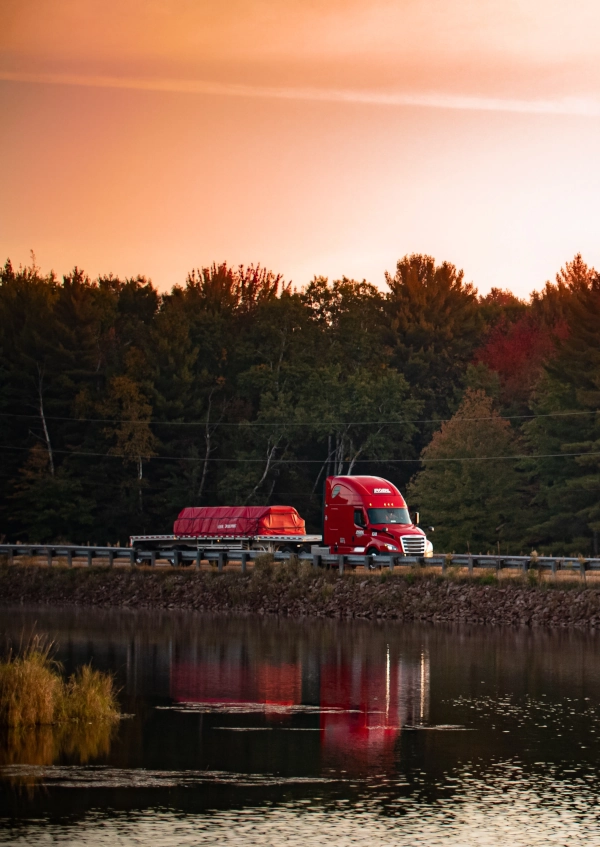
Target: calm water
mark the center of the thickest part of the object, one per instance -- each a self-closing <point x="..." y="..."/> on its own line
<point x="246" y="732"/>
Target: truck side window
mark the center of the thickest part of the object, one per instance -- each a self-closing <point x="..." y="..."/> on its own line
<point x="359" y="518"/>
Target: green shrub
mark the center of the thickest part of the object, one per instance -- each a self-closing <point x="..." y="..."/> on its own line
<point x="488" y="578"/>
<point x="306" y="570"/>
<point x="264" y="564"/>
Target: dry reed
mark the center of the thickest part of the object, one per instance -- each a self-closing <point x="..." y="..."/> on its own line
<point x="33" y="691"/>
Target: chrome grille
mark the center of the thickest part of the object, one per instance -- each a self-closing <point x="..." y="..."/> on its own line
<point x="413" y="545"/>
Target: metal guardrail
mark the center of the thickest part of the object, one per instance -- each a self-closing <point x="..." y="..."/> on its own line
<point x="221" y="557"/>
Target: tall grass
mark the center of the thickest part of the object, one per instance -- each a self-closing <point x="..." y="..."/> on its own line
<point x="34" y="692"/>
<point x="89" y="694"/>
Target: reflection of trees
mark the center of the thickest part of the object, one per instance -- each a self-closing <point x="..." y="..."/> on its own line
<point x="46" y="745"/>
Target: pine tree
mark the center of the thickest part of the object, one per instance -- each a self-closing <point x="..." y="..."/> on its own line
<point x="434" y="324"/>
<point x="566" y="435"/>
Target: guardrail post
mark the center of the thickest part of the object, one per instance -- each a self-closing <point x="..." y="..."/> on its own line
<point x="222" y="560"/>
<point x="244" y="560"/>
<point x="392" y="563"/>
<point x="341" y="564"/>
<point x="111" y="558"/>
<point x="89" y="554"/>
<point x="70" y="558"/>
<point x="553" y="566"/>
<point x="153" y="558"/>
<point x="582" y="565"/>
<point x="49" y="556"/>
<point x="316" y="560"/>
<point x="470" y="565"/>
<point x="176" y="558"/>
<point x="369" y="561"/>
<point x="132" y="557"/>
<point x="444" y="565"/>
<point x="198" y="558"/>
<point x="11" y="556"/>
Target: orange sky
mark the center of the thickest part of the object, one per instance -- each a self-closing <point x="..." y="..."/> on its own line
<point x="313" y="136"/>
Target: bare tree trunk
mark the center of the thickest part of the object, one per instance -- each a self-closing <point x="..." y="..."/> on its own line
<point x="358" y="452"/>
<point x="340" y="443"/>
<point x="43" y="418"/>
<point x="208" y="447"/>
<point x="326" y="464"/>
<point x="270" y="494"/>
<point x="208" y="434"/>
<point x="353" y="461"/>
<point x="280" y="362"/>
<point x="140" y="484"/>
<point x="270" y="454"/>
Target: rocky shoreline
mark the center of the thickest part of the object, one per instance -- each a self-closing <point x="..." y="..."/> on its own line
<point x="305" y="593"/>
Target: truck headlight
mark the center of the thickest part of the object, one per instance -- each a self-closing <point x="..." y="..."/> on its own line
<point x="391" y="547"/>
<point x="428" y="549"/>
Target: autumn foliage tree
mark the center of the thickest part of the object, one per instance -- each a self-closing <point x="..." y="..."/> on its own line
<point x="470" y="487"/>
<point x="518" y="353"/>
<point x="130" y="435"/>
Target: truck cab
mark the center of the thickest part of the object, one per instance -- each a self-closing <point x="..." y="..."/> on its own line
<point x="368" y="515"/>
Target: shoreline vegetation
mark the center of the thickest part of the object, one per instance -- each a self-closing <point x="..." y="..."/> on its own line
<point x="296" y="590"/>
<point x="34" y="691"/>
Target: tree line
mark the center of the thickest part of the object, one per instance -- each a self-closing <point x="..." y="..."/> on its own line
<point x="120" y="405"/>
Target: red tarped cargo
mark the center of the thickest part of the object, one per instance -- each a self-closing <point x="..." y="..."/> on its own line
<point x="244" y="521"/>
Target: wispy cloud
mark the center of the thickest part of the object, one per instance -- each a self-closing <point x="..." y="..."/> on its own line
<point x="435" y="100"/>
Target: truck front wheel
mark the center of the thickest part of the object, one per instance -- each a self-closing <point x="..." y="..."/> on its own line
<point x="372" y="551"/>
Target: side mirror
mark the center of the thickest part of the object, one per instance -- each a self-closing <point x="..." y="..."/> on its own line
<point x="416" y="518"/>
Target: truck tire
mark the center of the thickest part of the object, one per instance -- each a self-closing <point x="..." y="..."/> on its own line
<point x="372" y="551"/>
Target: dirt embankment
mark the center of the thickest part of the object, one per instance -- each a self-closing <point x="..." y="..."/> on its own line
<point x="302" y="593"/>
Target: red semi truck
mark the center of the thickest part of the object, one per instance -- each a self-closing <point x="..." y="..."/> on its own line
<point x="363" y="514"/>
<point x="367" y="514"/>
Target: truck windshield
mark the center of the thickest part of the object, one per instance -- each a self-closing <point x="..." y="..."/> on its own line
<point x="389" y="516"/>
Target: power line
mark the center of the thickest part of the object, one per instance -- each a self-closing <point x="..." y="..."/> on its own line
<point x="396" y="422"/>
<point x="522" y="456"/>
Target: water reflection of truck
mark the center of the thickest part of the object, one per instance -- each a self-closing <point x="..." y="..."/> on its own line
<point x="365" y="706"/>
<point x="362" y="514"/>
<point x="275" y="687"/>
<point x="359" y="704"/>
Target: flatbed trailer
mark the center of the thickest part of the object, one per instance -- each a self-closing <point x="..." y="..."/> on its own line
<point x="267" y="529"/>
<point x="261" y="543"/>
